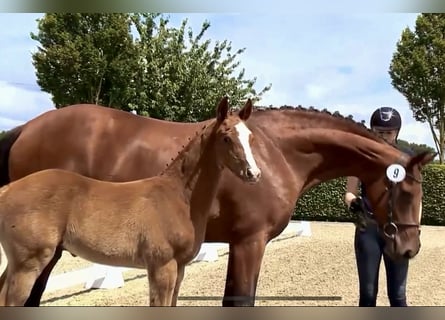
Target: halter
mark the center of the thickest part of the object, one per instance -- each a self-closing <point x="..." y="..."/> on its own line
<point x="390" y="228"/>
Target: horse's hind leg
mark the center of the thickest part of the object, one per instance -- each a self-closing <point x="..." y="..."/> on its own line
<point x="179" y="278"/>
<point x="162" y="280"/>
<point x="21" y="276"/>
<point x="40" y="284"/>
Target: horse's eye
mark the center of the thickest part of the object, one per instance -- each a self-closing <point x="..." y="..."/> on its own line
<point x="226" y="139"/>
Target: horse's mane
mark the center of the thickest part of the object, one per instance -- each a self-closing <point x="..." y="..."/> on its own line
<point x="199" y="132"/>
<point x="355" y="126"/>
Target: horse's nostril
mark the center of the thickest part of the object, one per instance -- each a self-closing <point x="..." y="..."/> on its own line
<point x="249" y="173"/>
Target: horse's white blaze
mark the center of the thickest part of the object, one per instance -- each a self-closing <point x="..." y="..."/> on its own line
<point x="243" y="136"/>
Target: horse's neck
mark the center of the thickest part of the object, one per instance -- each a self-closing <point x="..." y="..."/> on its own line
<point x="325" y="154"/>
<point x="196" y="173"/>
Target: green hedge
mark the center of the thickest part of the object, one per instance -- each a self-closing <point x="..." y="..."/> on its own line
<point x="325" y="201"/>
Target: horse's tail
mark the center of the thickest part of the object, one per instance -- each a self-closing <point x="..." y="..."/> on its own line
<point x="6" y="143"/>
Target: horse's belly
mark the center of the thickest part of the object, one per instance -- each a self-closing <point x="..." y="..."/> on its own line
<point x="110" y="257"/>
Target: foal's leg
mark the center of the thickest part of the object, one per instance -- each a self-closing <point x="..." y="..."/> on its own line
<point x="40" y="284"/>
<point x="162" y="280"/>
<point x="242" y="272"/>
<point x="179" y="278"/>
<point x="2" y="287"/>
<point x="3" y="277"/>
<point x="22" y="275"/>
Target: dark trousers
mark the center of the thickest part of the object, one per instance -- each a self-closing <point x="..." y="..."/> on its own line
<point x="369" y="246"/>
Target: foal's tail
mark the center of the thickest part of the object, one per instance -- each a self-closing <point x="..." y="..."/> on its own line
<point x="6" y="143"/>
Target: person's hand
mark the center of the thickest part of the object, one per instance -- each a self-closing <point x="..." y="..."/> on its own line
<point x="357" y="207"/>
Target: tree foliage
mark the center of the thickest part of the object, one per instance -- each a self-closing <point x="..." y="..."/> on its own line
<point x="416" y="148"/>
<point x="138" y="62"/>
<point x="85" y="58"/>
<point x="417" y="71"/>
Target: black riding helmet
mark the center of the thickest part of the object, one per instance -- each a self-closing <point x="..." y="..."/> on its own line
<point x="386" y="118"/>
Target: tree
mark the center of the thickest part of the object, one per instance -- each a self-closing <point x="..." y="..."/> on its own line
<point x="182" y="79"/>
<point x="417" y="71"/>
<point x="416" y="148"/>
<point x="94" y="58"/>
<point x="85" y="58"/>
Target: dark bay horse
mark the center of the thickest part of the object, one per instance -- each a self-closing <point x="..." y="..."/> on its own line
<point x="296" y="148"/>
<point x="155" y="223"/>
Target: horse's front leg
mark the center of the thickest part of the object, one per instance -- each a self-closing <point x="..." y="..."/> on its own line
<point x="3" y="277"/>
<point x="40" y="284"/>
<point x="242" y="272"/>
<point x="3" y="287"/>
<point x="179" y="278"/>
<point x="162" y="282"/>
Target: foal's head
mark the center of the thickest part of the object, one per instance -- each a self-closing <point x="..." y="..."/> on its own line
<point x="234" y="141"/>
<point x="398" y="207"/>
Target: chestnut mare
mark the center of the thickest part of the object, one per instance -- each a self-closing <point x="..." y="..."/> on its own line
<point x="157" y="223"/>
<point x="302" y="148"/>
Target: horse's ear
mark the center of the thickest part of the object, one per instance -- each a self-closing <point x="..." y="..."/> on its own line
<point x="422" y="159"/>
<point x="246" y="111"/>
<point x="222" y="109"/>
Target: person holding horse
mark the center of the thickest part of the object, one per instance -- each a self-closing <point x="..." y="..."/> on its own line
<point x="368" y="242"/>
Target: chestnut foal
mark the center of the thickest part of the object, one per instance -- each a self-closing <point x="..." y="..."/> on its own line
<point x="158" y="223"/>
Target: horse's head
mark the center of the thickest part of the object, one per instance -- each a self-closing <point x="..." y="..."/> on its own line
<point x="233" y="141"/>
<point x="398" y="208"/>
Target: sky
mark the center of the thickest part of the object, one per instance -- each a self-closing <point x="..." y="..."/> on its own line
<point x="335" y="61"/>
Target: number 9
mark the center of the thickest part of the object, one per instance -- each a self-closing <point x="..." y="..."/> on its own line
<point x="395" y="172"/>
